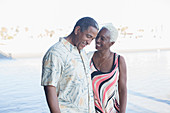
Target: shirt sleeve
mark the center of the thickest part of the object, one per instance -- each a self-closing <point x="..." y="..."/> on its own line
<point x="51" y="70"/>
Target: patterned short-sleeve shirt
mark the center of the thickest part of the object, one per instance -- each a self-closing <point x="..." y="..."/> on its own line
<point x="68" y="70"/>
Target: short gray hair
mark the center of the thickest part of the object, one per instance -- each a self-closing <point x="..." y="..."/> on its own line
<point x="113" y="31"/>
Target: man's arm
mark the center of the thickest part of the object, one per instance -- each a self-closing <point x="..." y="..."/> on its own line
<point x="122" y="85"/>
<point x="52" y="99"/>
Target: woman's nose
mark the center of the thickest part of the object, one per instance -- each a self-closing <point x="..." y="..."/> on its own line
<point x="98" y="39"/>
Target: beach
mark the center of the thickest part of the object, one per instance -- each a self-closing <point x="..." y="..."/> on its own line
<point x="148" y="67"/>
<point x="148" y="83"/>
<point x="36" y="47"/>
<point x="28" y="28"/>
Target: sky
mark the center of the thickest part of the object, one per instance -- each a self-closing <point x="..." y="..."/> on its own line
<point x="45" y="13"/>
<point x="38" y="15"/>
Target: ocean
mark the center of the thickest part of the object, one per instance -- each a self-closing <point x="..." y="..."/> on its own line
<point x="148" y="81"/>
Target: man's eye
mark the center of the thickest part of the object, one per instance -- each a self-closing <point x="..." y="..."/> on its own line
<point x="88" y="36"/>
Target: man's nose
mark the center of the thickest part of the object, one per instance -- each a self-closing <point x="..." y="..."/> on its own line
<point x="89" y="41"/>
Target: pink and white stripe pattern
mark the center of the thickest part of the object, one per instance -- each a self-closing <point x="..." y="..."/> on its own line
<point x="105" y="87"/>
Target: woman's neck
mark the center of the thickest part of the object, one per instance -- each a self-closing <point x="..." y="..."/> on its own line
<point x="104" y="53"/>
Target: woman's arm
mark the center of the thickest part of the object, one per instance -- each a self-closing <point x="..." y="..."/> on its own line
<point x="122" y="85"/>
<point x="52" y="99"/>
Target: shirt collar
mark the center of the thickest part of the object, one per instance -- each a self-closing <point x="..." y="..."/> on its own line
<point x="67" y="44"/>
<point x="73" y="49"/>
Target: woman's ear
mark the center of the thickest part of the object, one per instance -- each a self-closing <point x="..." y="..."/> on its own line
<point x="77" y="30"/>
<point x="111" y="43"/>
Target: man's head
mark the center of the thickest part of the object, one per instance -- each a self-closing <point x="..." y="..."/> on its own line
<point x="85" y="22"/>
<point x="84" y="31"/>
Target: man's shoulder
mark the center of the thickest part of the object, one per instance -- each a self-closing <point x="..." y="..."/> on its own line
<point x="57" y="48"/>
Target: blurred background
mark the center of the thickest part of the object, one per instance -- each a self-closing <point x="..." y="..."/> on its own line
<point x="29" y="27"/>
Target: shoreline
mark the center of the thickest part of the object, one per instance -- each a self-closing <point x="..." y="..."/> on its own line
<point x="40" y="55"/>
<point x="28" y="48"/>
<point x="144" y="50"/>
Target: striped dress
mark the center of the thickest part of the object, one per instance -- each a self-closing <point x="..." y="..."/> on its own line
<point x="105" y="87"/>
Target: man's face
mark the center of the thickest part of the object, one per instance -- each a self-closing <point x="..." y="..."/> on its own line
<point x="84" y="38"/>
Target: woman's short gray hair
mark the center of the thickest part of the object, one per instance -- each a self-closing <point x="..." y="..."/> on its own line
<point x="113" y="31"/>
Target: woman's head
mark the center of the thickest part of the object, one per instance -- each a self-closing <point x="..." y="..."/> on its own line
<point x="113" y="31"/>
<point x="106" y="37"/>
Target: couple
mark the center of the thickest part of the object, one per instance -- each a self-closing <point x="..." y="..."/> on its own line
<point x="75" y="82"/>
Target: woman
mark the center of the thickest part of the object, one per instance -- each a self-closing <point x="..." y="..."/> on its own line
<point x="108" y="74"/>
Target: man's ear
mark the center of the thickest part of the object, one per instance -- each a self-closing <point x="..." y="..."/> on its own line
<point x="77" y="30"/>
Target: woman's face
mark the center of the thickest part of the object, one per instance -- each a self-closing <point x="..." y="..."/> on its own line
<point x="103" y="40"/>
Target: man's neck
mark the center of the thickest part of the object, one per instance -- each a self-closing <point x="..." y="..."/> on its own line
<point x="69" y="38"/>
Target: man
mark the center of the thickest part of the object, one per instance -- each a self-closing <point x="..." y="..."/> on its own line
<point x="65" y="73"/>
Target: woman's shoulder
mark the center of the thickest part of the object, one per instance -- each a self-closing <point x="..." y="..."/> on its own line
<point x="117" y="55"/>
<point x="120" y="58"/>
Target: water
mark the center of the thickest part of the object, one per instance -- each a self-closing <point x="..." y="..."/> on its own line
<point x="20" y="88"/>
<point x="148" y="84"/>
